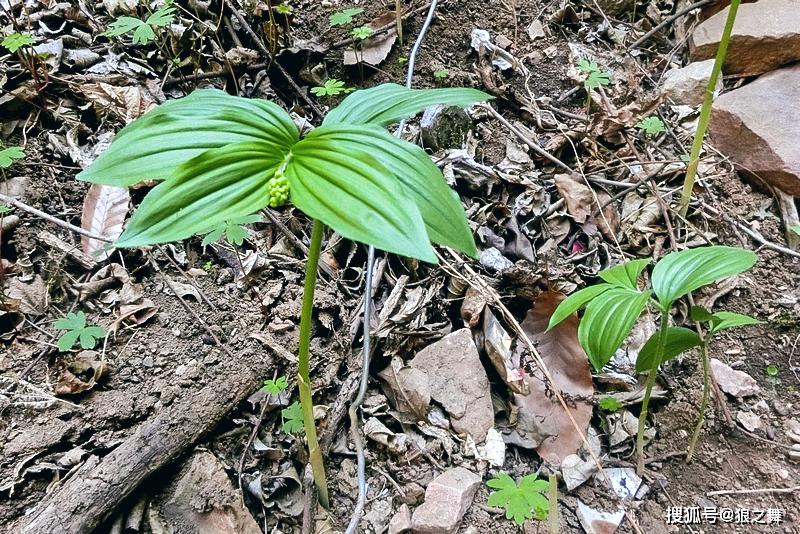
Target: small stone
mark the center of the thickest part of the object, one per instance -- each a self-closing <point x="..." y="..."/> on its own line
<point x="447" y="499"/>
<point x="443" y="127"/>
<point x="794" y="453"/>
<point x="792" y="428"/>
<point x="596" y="522"/>
<point x="733" y="382"/>
<point x="503" y="42"/>
<point x="147" y="361"/>
<point x="687" y="85"/>
<point x="401" y="521"/>
<point x="761" y="406"/>
<point x="766" y="36"/>
<point x="536" y="30"/>
<point x="493" y="259"/>
<point x="749" y="420"/>
<point x="575" y="471"/>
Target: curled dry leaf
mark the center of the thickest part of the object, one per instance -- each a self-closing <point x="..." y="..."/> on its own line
<point x="373" y="50"/>
<point x="128" y="103"/>
<point x="106" y="278"/>
<point x="582" y="206"/>
<point x="32" y="296"/>
<point x="408" y="389"/>
<point x="569" y="367"/>
<point x="104" y="210"/>
<point x="472" y="307"/>
<point x="81" y="374"/>
<point x="497" y="343"/>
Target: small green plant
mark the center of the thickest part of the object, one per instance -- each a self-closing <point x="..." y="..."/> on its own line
<point x="5" y="209"/>
<point x="76" y="329"/>
<point x="219" y="154"/>
<point x="595" y="76"/>
<point x="651" y="126"/>
<point x="520" y="501"/>
<point x="332" y="87"/>
<point x="362" y="32"/>
<point x="402" y="60"/>
<point x="15" y="41"/>
<point x="345" y="16"/>
<point x="613" y="307"/>
<point x="10" y="154"/>
<point x="233" y="230"/>
<point x="292" y="418"/>
<point x="609" y="404"/>
<point x="207" y="266"/>
<point x="284" y="9"/>
<point x="143" y="30"/>
<point x="441" y="74"/>
<point x="275" y="386"/>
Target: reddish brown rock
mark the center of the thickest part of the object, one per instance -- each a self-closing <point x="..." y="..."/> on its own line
<point x="757" y="126"/>
<point x="766" y="36"/>
<point x="447" y="499"/>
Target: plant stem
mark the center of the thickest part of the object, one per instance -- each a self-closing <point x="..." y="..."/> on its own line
<point x="705" y="111"/>
<point x="398" y="8"/>
<point x="704" y="403"/>
<point x="552" y="518"/>
<point x="304" y="382"/>
<point x="651" y="380"/>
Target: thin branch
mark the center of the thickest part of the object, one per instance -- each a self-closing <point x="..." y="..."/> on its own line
<point x="47" y="217"/>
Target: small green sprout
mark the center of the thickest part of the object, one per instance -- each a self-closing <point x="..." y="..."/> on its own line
<point x="284" y="9"/>
<point x="772" y="370"/>
<point x="362" y="32"/>
<point x="292" y="418"/>
<point x="441" y="74"/>
<point x="521" y="501"/>
<point x="14" y="41"/>
<point x="402" y="60"/>
<point x="76" y="330"/>
<point x="207" y="266"/>
<point x="332" y="87"/>
<point x="651" y="126"/>
<point x="4" y="209"/>
<point x="595" y="76"/>
<point x="609" y="404"/>
<point x="345" y="16"/>
<point x="276" y="386"/>
<point x="233" y="230"/>
<point x="8" y="155"/>
<point x="143" y="30"/>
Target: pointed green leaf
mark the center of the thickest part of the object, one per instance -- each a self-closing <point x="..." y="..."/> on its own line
<point x="143" y="34"/>
<point x="700" y="314"/>
<point x="626" y="274"/>
<point x="679" y="340"/>
<point x="355" y="194"/>
<point x="607" y="321"/>
<point x="156" y="144"/>
<point x="441" y="209"/>
<point x="217" y="186"/>
<point x="123" y="25"/>
<point x="575" y="302"/>
<point x="389" y="103"/>
<point x="679" y="273"/>
<point x="724" y="320"/>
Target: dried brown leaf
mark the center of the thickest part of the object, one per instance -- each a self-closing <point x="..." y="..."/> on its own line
<point x="373" y="50"/>
<point x="104" y="210"/>
<point x="581" y="204"/>
<point x="81" y="374"/>
<point x="128" y="103"/>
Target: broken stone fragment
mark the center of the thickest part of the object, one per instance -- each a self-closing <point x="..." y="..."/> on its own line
<point x="766" y="35"/>
<point x="401" y="520"/>
<point x="749" y="420"/>
<point x="447" y="499"/>
<point x="757" y="127"/>
<point x="444" y="127"/>
<point x="458" y="382"/>
<point x="733" y="382"/>
<point x="687" y="86"/>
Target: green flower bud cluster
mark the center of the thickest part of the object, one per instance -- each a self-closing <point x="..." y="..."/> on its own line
<point x="278" y="190"/>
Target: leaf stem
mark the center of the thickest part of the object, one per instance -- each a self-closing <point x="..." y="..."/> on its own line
<point x="704" y="403"/>
<point x="705" y="111"/>
<point x="651" y="380"/>
<point x="304" y="382"/>
<point x="552" y="518"/>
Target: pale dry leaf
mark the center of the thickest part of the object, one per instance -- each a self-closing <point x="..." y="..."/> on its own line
<point x="583" y="207"/>
<point x="569" y="367"/>
<point x="373" y="50"/>
<point x="32" y="296"/>
<point x="104" y="210"/>
<point x="128" y="103"/>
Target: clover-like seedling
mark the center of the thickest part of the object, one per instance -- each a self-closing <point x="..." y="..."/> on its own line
<point x="292" y="418"/>
<point x="441" y="74"/>
<point x="595" y="76"/>
<point x="14" y="41"/>
<point x="233" y="230"/>
<point x="362" y="32"/>
<point x="609" y="404"/>
<point x="651" y="126"/>
<point x="284" y="9"/>
<point x="520" y="501"/>
<point x="275" y="386"/>
<point x="332" y="87"/>
<point x="143" y="30"/>
<point x="10" y="154"/>
<point x="5" y="209"/>
<point x="222" y="157"/>
<point x="345" y="16"/>
<point x="76" y="329"/>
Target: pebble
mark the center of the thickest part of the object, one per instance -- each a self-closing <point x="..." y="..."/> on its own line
<point x="447" y="499"/>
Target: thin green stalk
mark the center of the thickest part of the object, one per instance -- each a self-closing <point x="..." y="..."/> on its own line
<point x="705" y="111"/>
<point x="704" y="403"/>
<point x="304" y="382"/>
<point x="552" y="518"/>
<point x="398" y="9"/>
<point x="651" y="380"/>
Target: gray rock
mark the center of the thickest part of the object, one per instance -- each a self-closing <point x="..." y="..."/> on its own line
<point x="401" y="521"/>
<point x="447" y="499"/>
<point x="687" y="85"/>
<point x="749" y="420"/>
<point x="757" y="127"/>
<point x="733" y="382"/>
<point x="458" y="382"/>
<point x="575" y="471"/>
<point x="444" y="127"/>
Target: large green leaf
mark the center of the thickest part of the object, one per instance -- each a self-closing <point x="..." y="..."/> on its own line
<point x="441" y="209"/>
<point x="156" y="144"/>
<point x="217" y="186"/>
<point x="575" y="302"/>
<point x="607" y="321"/>
<point x="355" y="194"/>
<point x="626" y="274"/>
<point x="724" y="320"/>
<point x="679" y="339"/>
<point x="389" y="103"/>
<point x="679" y="273"/>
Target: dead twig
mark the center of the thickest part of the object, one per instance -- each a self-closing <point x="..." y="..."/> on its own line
<point x="667" y="21"/>
<point x="49" y="218"/>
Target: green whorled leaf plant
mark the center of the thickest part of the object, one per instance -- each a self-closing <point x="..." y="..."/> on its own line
<point x="221" y="158"/>
<point x="613" y="307"/>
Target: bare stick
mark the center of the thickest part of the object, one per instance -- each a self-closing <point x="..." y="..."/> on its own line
<point x="49" y="218"/>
